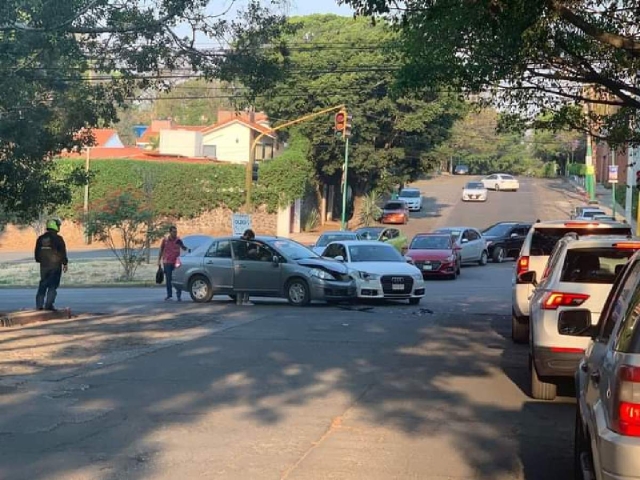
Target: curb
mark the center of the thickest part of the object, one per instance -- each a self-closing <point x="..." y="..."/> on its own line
<point x="90" y="285"/>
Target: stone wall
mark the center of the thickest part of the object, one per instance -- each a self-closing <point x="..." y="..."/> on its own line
<point x="216" y="222"/>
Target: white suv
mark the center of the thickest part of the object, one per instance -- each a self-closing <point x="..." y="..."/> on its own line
<point x="535" y="251"/>
<point x="572" y="291"/>
<point x="412" y="197"/>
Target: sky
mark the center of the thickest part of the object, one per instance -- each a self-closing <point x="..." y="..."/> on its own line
<point x="308" y="7"/>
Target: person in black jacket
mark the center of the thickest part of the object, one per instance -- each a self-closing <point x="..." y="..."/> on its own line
<point x="51" y="254"/>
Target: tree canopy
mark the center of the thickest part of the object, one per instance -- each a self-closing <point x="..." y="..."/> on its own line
<point x="335" y="60"/>
<point x="66" y="65"/>
<point x="546" y="58"/>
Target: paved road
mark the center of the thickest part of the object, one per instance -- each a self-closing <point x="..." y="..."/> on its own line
<point x="430" y="392"/>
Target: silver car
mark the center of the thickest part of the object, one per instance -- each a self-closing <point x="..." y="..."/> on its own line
<point x="333" y="236"/>
<point x="469" y="242"/>
<point x="264" y="267"/>
<point x="607" y="430"/>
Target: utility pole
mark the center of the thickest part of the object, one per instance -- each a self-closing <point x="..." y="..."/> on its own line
<point x="248" y="185"/>
<point x="613" y="185"/>
<point x="589" y="179"/>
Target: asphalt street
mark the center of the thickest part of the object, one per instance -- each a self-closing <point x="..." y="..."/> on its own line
<point x="378" y="391"/>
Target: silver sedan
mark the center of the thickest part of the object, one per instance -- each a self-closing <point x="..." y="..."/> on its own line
<point x="264" y="267"/>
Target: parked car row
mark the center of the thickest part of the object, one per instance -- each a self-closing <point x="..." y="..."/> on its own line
<point x="576" y="301"/>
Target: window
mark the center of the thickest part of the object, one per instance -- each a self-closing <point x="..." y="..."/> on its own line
<point x="374" y="253"/>
<point x="627" y="337"/>
<point x="473" y="235"/>
<point x="326" y="239"/>
<point x="221" y="249"/>
<point x="611" y="310"/>
<point x="593" y="265"/>
<point x="393" y="233"/>
<point x="252" y="251"/>
<point x="492" y="177"/>
<point x="410" y="194"/>
<point x="431" y="242"/>
<point x="521" y="231"/>
<point x="544" y="239"/>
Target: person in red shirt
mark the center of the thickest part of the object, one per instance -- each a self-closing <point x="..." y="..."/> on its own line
<point x="169" y="253"/>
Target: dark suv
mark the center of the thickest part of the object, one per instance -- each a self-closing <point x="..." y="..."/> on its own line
<point x="505" y="239"/>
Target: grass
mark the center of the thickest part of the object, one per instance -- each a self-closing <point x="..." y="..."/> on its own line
<point x="80" y="273"/>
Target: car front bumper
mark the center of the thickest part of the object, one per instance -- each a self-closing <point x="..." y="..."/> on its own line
<point x="434" y="268"/>
<point x="474" y="197"/>
<point x="334" y="290"/>
<point x="375" y="289"/>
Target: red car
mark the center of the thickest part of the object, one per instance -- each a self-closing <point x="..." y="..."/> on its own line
<point x="435" y="254"/>
<point x="395" y="211"/>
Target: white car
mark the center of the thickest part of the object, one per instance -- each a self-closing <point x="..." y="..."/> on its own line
<point x="332" y="236"/>
<point x="501" y="181"/>
<point x="534" y="254"/>
<point x="412" y="197"/>
<point x="474" y="192"/>
<point x="567" y="301"/>
<point x="379" y="269"/>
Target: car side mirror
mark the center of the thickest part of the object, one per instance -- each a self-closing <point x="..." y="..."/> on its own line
<point x="275" y="260"/>
<point x="339" y="258"/>
<point x="514" y="235"/>
<point x="408" y="259"/>
<point x="576" y="323"/>
<point x="465" y="240"/>
<point x="528" y="277"/>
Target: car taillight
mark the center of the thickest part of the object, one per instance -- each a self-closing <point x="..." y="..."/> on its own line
<point x="627" y="408"/>
<point x="581" y="224"/>
<point x="553" y="300"/>
<point x="627" y="245"/>
<point x="523" y="265"/>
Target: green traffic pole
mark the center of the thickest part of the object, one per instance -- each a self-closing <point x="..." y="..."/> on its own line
<point x="345" y="184"/>
<point x="613" y="199"/>
<point x="590" y="179"/>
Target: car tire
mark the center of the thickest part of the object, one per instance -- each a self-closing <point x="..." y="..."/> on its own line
<point x="458" y="270"/>
<point x="498" y="255"/>
<point x="582" y="457"/>
<point x="541" y="390"/>
<point x="519" y="329"/>
<point x="483" y="259"/>
<point x="414" y="301"/>
<point x="496" y="187"/>
<point x="297" y="292"/>
<point x="200" y="289"/>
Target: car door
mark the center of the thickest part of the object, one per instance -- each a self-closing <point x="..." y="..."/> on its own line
<point x="478" y="243"/>
<point x="254" y="270"/>
<point x="515" y="239"/>
<point x="490" y="181"/>
<point x="218" y="264"/>
<point x="468" y="248"/>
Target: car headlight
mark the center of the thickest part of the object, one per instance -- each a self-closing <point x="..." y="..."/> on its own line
<point x="451" y="258"/>
<point x="322" y="274"/>
<point x="417" y="276"/>
<point x="368" y="276"/>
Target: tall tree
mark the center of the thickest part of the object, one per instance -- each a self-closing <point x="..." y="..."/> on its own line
<point x="335" y="60"/>
<point x="537" y="56"/>
<point x="65" y="65"/>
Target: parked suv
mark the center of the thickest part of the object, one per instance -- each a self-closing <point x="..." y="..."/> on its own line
<point x="574" y="285"/>
<point x="505" y="239"/>
<point x="537" y="247"/>
<point x="607" y="429"/>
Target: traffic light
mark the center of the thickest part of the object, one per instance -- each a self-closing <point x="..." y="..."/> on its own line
<point x="340" y="122"/>
<point x="347" y="126"/>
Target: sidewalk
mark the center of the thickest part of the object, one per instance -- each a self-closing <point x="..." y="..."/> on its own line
<point x="604" y="197"/>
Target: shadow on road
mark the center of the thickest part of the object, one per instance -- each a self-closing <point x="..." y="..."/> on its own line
<point x="431" y="208"/>
<point x="427" y="378"/>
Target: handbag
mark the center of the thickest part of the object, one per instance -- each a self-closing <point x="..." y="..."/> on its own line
<point x="159" y="276"/>
<point x="178" y="263"/>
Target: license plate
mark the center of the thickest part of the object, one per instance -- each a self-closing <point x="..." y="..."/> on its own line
<point x="427" y="267"/>
<point x="397" y="286"/>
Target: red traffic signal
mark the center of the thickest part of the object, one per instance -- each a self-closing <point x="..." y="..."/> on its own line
<point x="340" y="121"/>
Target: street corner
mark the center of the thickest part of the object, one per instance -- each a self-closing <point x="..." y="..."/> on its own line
<point x="27" y="317"/>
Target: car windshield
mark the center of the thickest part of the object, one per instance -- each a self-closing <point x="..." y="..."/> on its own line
<point x="475" y="186"/>
<point x="371" y="233"/>
<point x="453" y="233"/>
<point x="544" y="239"/>
<point x="374" y="253"/>
<point x="594" y="265"/>
<point x="431" y="242"/>
<point x="410" y="193"/>
<point x="325" y="240"/>
<point x="394" y="206"/>
<point x="592" y="213"/>
<point x="292" y="250"/>
<point x="498" y="230"/>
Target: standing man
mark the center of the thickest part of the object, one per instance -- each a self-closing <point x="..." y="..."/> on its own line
<point x="169" y="253"/>
<point x="51" y="254"/>
<point x="242" y="298"/>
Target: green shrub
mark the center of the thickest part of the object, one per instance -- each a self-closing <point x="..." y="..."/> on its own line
<point x="579" y="169"/>
<point x="621" y="192"/>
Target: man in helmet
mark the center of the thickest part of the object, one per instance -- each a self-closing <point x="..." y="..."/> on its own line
<point x="51" y="254"/>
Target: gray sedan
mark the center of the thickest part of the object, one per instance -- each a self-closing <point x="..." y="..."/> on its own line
<point x="264" y="267"/>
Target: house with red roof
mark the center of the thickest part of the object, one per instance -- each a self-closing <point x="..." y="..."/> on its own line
<point x="106" y="138"/>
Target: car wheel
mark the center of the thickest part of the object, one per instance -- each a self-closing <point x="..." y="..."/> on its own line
<point x="200" y="289"/>
<point x="519" y="329"/>
<point x="582" y="459"/>
<point x="458" y="270"/>
<point x="414" y="301"/>
<point x="541" y="390"/>
<point x="498" y="255"/>
<point x="483" y="258"/>
<point x="298" y="292"/>
<point x="496" y="187"/>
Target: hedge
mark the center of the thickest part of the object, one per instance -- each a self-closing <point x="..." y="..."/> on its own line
<point x="179" y="190"/>
<point x="579" y="169"/>
<point x="621" y="192"/>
